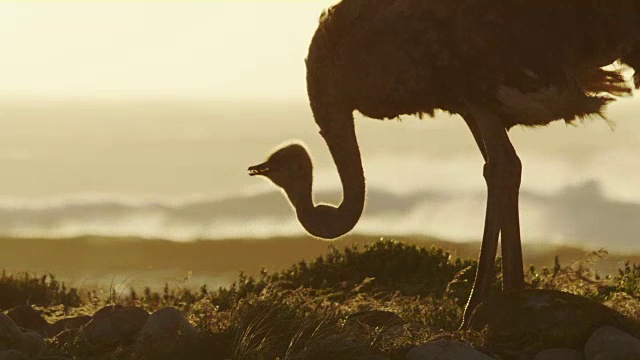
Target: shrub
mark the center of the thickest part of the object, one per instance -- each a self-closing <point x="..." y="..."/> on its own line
<point x="25" y="288"/>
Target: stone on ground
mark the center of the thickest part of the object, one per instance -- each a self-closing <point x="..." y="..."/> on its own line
<point x="115" y="325"/>
<point x="530" y="321"/>
<point x="13" y="338"/>
<point x="374" y="357"/>
<point x="446" y="350"/>
<point x="610" y="343"/>
<point x="559" y="354"/>
<point x="28" y="318"/>
<point x="167" y="324"/>
<point x="12" y="355"/>
<point x="10" y="333"/>
<point x="31" y="343"/>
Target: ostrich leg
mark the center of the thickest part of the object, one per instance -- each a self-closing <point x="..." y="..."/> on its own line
<point x="512" y="267"/>
<point x="513" y="274"/>
<point x="493" y="142"/>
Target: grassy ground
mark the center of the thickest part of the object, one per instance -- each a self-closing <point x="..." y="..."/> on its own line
<point x="325" y="308"/>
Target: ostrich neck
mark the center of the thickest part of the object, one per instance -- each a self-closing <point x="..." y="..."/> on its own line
<point x="328" y="221"/>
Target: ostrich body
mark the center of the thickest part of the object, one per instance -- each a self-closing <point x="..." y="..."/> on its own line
<point x="497" y="63"/>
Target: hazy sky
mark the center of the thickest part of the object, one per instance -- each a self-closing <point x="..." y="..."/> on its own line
<point x="225" y="49"/>
<point x="54" y="154"/>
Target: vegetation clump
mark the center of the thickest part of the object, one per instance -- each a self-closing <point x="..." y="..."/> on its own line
<point x="45" y="290"/>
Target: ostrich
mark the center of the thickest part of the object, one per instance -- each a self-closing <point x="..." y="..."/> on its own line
<point x="496" y="63"/>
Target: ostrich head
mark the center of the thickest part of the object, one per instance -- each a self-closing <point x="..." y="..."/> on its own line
<point x="290" y="168"/>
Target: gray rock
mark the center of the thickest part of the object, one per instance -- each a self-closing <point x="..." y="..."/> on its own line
<point x="446" y="350"/>
<point x="559" y="354"/>
<point x="610" y="343"/>
<point x="13" y="338"/>
<point x="28" y="318"/>
<point x="10" y="333"/>
<point x="374" y="357"/>
<point x="529" y="321"/>
<point x="167" y="324"/>
<point x="115" y="325"/>
<point x="12" y="355"/>
<point x="31" y="343"/>
<point x="334" y="346"/>
<point x="614" y="355"/>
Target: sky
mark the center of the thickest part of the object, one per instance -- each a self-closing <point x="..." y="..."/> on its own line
<point x="222" y="49"/>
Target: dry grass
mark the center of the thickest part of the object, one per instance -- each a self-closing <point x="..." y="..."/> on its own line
<point x="306" y="311"/>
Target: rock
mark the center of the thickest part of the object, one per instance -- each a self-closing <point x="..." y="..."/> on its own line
<point x="70" y="323"/>
<point x="11" y="337"/>
<point x="10" y="333"/>
<point x="28" y="318"/>
<point x="12" y="355"/>
<point x="559" y="354"/>
<point x="115" y="325"/>
<point x="167" y="324"/>
<point x="334" y="346"/>
<point x="530" y="321"/>
<point x="374" y="357"/>
<point x="446" y="350"/>
<point x="610" y="343"/>
<point x="31" y="343"/>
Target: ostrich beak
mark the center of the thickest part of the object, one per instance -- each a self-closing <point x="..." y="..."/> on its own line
<point x="260" y="169"/>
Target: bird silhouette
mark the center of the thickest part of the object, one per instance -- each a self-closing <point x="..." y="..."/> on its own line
<point x="496" y="63"/>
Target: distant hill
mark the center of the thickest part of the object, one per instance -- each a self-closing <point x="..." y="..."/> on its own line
<point x="124" y="262"/>
<point x="580" y="214"/>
